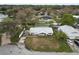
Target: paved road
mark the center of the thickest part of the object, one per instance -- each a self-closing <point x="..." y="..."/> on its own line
<point x="20" y="50"/>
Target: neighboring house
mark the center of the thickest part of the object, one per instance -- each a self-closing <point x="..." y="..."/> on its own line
<point x="45" y="18"/>
<point x="2" y="16"/>
<point x="41" y="31"/>
<point x="76" y="16"/>
<point x="76" y="12"/>
<point x="71" y="32"/>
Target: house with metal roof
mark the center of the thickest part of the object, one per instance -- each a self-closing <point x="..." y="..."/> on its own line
<point x="41" y="31"/>
<point x="76" y="16"/>
<point x="71" y="32"/>
<point x="45" y="18"/>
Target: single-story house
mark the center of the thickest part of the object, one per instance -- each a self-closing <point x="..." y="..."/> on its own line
<point x="45" y="18"/>
<point x="71" y="32"/>
<point x="41" y="31"/>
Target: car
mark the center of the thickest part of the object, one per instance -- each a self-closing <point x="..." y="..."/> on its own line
<point x="70" y="42"/>
<point x="76" y="42"/>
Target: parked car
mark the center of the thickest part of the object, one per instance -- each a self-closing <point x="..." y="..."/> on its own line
<point x="70" y="41"/>
<point x="76" y="42"/>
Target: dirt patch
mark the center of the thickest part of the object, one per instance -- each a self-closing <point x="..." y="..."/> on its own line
<point x="41" y="43"/>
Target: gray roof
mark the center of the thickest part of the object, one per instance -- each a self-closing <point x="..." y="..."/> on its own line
<point x="71" y="32"/>
<point x="48" y="17"/>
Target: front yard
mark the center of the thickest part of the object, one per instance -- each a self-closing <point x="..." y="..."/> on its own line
<point x="46" y="43"/>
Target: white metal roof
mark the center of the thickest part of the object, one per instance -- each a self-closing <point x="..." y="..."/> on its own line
<point x="39" y="30"/>
<point x="71" y="32"/>
<point x="76" y="16"/>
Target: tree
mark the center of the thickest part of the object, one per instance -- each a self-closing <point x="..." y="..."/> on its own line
<point x="11" y="27"/>
<point x="24" y="15"/>
<point x="11" y="12"/>
<point x="68" y="19"/>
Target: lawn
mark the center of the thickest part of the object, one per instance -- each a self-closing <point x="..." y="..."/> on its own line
<point x="46" y="43"/>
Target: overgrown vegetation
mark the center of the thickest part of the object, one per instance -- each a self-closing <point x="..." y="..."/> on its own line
<point x="10" y="26"/>
<point x="15" y="37"/>
<point x="62" y="39"/>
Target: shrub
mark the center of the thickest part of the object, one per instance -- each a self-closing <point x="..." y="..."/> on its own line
<point x="59" y="35"/>
<point x="15" y="37"/>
